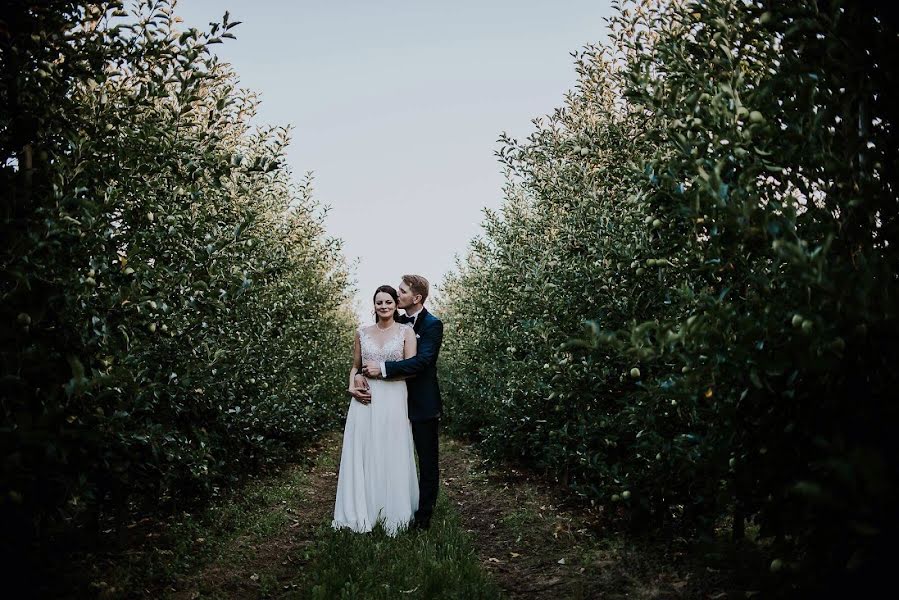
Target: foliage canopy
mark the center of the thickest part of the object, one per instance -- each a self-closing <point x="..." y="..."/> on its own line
<point x="173" y="315"/>
<point x="692" y="282"/>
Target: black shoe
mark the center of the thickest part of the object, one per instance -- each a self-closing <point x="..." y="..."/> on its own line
<point x="420" y="524"/>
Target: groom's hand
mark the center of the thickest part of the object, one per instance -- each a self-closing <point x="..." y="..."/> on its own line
<point x="371" y="368"/>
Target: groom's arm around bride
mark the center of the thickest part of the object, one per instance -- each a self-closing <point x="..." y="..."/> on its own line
<point x="430" y="337"/>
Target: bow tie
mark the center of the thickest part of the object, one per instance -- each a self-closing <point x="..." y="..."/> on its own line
<point x="410" y="320"/>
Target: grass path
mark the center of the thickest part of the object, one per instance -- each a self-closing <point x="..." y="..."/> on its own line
<point x="496" y="533"/>
<point x="304" y="558"/>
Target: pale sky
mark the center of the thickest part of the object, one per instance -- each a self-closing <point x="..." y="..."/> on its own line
<point x="396" y="108"/>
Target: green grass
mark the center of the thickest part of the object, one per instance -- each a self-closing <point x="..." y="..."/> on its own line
<point x="520" y="518"/>
<point x="191" y="540"/>
<point x="439" y="563"/>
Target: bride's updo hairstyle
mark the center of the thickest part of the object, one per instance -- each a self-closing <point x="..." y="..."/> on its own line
<point x="387" y="289"/>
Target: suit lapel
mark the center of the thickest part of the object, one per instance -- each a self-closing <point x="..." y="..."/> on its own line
<point x="420" y="319"/>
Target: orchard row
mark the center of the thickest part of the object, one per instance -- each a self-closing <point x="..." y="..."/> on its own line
<point x="686" y="307"/>
<point x="171" y="314"/>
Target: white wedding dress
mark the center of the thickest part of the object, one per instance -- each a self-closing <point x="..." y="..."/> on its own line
<point x="377" y="478"/>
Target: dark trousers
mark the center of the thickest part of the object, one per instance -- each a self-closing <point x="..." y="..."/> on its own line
<point x="424" y="434"/>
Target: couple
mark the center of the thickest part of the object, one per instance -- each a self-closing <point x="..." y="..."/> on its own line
<point x="396" y="405"/>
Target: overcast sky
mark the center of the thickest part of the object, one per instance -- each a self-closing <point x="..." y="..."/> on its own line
<point x="396" y="108"/>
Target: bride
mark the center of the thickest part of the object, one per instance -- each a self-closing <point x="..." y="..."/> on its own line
<point x="377" y="479"/>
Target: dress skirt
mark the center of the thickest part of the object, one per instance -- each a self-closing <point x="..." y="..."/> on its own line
<point x="377" y="478"/>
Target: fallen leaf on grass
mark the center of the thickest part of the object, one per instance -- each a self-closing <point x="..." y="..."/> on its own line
<point x="514" y="554"/>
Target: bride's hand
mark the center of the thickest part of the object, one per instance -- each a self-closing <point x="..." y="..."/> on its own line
<point x="360" y="390"/>
<point x="360" y="394"/>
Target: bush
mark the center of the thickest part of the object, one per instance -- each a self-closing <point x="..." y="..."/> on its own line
<point x="173" y="316"/>
<point x="693" y="282"/>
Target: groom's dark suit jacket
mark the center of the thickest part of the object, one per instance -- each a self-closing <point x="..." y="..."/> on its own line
<point x="424" y="391"/>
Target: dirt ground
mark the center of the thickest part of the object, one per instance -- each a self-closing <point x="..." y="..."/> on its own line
<point x="269" y="566"/>
<point x="539" y="542"/>
<point x="535" y="541"/>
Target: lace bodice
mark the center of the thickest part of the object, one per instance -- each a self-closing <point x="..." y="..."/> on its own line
<point x="379" y="345"/>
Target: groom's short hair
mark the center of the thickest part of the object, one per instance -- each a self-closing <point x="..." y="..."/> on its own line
<point x="417" y="285"/>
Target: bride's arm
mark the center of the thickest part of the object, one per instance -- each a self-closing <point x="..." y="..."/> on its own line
<point x="360" y="394"/>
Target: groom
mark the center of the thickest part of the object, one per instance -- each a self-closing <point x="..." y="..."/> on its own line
<point x="424" y="391"/>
